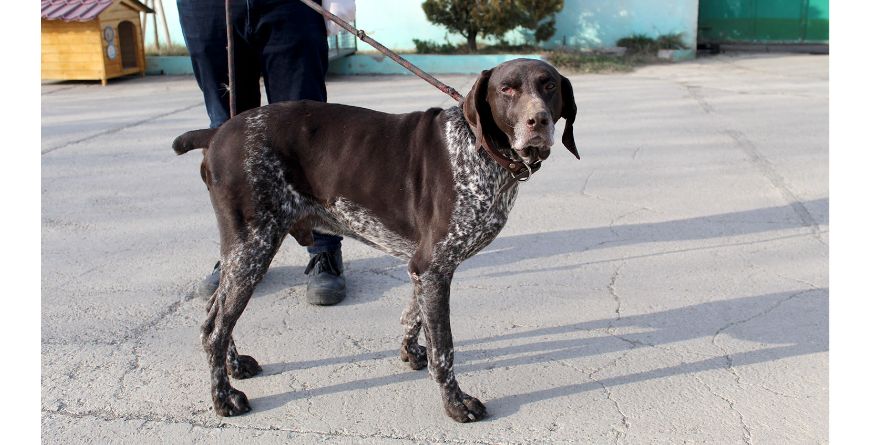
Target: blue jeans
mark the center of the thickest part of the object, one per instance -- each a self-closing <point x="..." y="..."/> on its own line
<point x="282" y="42"/>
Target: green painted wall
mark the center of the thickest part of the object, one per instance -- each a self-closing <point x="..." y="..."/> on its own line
<point x="794" y="21"/>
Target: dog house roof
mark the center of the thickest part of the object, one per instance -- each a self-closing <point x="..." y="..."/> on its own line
<point x="80" y="10"/>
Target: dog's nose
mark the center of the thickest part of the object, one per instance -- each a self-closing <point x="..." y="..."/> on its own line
<point x="540" y="120"/>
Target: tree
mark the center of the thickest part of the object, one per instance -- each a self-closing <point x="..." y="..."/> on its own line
<point x="473" y="18"/>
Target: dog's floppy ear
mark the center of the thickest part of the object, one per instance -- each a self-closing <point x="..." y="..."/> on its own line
<point x="475" y="108"/>
<point x="569" y="111"/>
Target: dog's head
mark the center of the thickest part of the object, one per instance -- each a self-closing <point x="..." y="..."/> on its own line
<point x="515" y="106"/>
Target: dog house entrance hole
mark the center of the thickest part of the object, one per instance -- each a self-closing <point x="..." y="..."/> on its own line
<point x="128" y="49"/>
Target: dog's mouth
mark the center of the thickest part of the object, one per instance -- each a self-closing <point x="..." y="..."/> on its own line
<point x="533" y="145"/>
<point x="535" y="150"/>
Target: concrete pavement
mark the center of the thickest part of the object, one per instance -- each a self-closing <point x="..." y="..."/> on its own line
<point x="670" y="287"/>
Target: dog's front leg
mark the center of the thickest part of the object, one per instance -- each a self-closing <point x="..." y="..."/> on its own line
<point x="434" y="308"/>
<point x="411" y="351"/>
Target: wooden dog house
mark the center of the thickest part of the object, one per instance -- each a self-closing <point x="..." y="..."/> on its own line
<point x="91" y="39"/>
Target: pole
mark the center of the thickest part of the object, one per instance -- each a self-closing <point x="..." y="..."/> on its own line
<point x="232" y="96"/>
<point x="165" y="24"/>
<point x="156" y="36"/>
<point x="144" y="17"/>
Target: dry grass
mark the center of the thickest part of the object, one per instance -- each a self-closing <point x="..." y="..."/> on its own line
<point x="163" y="50"/>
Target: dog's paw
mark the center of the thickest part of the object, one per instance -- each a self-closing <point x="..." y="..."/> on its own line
<point x="243" y="368"/>
<point x="416" y="355"/>
<point x="465" y="408"/>
<point x="231" y="403"/>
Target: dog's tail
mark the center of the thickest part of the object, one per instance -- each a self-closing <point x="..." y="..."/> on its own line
<point x="193" y="139"/>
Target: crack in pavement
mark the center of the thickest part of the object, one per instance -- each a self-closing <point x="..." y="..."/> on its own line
<point x="109" y="416"/>
<point x="119" y="128"/>
<point x="695" y="93"/>
<point x="620" y="433"/>
<point x="47" y="93"/>
<point x="778" y="182"/>
<point x="746" y="430"/>
<point x="729" y="361"/>
<point x="748" y="438"/>
<point x="760" y="162"/>
<point x="610" y="330"/>
<point x="584" y="187"/>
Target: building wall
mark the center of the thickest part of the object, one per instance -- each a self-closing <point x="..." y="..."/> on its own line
<point x="784" y="21"/>
<point x="582" y="23"/>
<point x="600" y="23"/>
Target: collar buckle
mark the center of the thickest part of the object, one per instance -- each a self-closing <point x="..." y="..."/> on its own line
<point x="524" y="175"/>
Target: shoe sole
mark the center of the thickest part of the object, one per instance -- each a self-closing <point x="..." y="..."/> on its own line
<point x="324" y="298"/>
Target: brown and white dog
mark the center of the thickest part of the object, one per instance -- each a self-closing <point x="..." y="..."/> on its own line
<point x="431" y="187"/>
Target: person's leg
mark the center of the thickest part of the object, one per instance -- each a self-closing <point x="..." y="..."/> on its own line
<point x="292" y="42"/>
<point x="204" y="27"/>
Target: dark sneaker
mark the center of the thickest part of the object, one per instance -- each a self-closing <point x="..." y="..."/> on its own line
<point x="326" y="286"/>
<point x="207" y="287"/>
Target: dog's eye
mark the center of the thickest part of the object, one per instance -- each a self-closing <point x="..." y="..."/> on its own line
<point x="507" y="90"/>
<point x="550" y="86"/>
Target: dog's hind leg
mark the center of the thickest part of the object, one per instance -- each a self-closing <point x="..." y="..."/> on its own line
<point x="433" y="303"/>
<point x="411" y="351"/>
<point x="247" y="252"/>
<point x="240" y="366"/>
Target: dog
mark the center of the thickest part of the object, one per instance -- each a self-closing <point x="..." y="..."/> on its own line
<point x="432" y="188"/>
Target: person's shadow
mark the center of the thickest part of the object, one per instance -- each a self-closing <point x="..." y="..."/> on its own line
<point x="786" y="324"/>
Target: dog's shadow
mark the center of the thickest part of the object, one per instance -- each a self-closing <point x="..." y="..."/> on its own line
<point x="371" y="278"/>
<point x="784" y="324"/>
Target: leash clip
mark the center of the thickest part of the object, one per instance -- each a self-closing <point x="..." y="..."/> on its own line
<point x="522" y="178"/>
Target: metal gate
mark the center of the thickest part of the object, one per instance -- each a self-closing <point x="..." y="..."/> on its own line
<point x="765" y="21"/>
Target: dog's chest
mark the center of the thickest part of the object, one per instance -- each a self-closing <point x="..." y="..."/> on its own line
<point x="484" y="195"/>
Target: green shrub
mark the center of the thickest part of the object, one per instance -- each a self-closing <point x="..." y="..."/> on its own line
<point x="576" y="61"/>
<point x="163" y="50"/>
<point x="638" y="43"/>
<point x="643" y="44"/>
<point x="430" y="47"/>
<point x="670" y="41"/>
<point x="502" y="47"/>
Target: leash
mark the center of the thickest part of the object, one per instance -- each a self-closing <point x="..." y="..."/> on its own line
<point x="229" y="29"/>
<point x="359" y="33"/>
